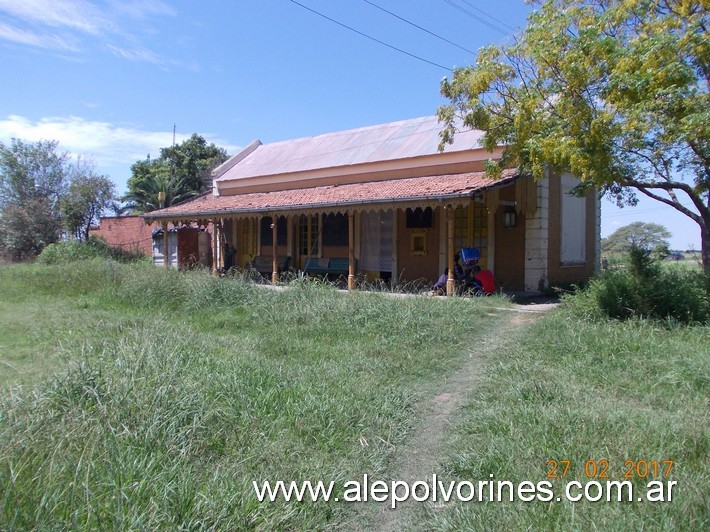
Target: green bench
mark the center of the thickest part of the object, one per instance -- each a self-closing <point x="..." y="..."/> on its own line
<point x="327" y="266"/>
<point x="265" y="265"/>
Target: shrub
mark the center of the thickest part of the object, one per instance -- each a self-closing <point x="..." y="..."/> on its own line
<point x="63" y="252"/>
<point x="644" y="289"/>
<point x="95" y="247"/>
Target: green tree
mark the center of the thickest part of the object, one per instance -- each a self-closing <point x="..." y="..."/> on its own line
<point x="89" y="194"/>
<point x="32" y="182"/>
<point x="157" y="189"/>
<point x="641" y="235"/>
<point x="180" y="172"/>
<point x="193" y="161"/>
<point x="615" y="91"/>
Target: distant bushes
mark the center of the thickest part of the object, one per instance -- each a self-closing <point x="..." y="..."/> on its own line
<point x="95" y="247"/>
<point x="642" y="288"/>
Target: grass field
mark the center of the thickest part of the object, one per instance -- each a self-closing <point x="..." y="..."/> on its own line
<point x="135" y="398"/>
<point x="608" y="392"/>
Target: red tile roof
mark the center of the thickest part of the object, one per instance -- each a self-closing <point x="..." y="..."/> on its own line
<point x="390" y="191"/>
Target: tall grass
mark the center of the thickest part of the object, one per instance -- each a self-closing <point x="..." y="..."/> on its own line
<point x="172" y="392"/>
<point x="646" y="289"/>
<point x="183" y="388"/>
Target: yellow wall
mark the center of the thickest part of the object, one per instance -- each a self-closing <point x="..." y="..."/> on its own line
<point x="412" y="266"/>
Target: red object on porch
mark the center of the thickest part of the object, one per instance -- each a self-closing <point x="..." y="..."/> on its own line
<point x="485" y="277"/>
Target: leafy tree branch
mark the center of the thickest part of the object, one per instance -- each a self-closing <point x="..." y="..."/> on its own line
<point x="615" y="91"/>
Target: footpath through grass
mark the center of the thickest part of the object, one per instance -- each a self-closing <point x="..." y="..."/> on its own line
<point x="607" y="399"/>
<point x="159" y="397"/>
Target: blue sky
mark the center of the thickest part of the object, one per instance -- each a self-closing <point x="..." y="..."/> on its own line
<point x="109" y="79"/>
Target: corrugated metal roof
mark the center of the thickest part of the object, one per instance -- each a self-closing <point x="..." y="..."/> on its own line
<point x="396" y="140"/>
<point x="390" y="191"/>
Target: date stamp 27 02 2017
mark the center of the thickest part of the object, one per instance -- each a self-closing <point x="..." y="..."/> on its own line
<point x="601" y="469"/>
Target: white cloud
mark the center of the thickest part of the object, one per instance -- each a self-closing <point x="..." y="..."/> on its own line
<point x="81" y="25"/>
<point x="17" y="35"/>
<point x="106" y="143"/>
<point x="139" y="9"/>
<point x="147" y="56"/>
<point x="76" y="14"/>
<point x="137" y="55"/>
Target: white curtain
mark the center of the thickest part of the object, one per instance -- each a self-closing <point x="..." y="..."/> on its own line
<point x="574" y="220"/>
<point x="376" y="241"/>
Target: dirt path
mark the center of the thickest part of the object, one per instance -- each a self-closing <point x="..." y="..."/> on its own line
<point x="418" y="458"/>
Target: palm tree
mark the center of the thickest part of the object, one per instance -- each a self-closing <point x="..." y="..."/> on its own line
<point x="156" y="190"/>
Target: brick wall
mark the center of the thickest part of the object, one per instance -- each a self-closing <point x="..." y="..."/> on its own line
<point x="127" y="232"/>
